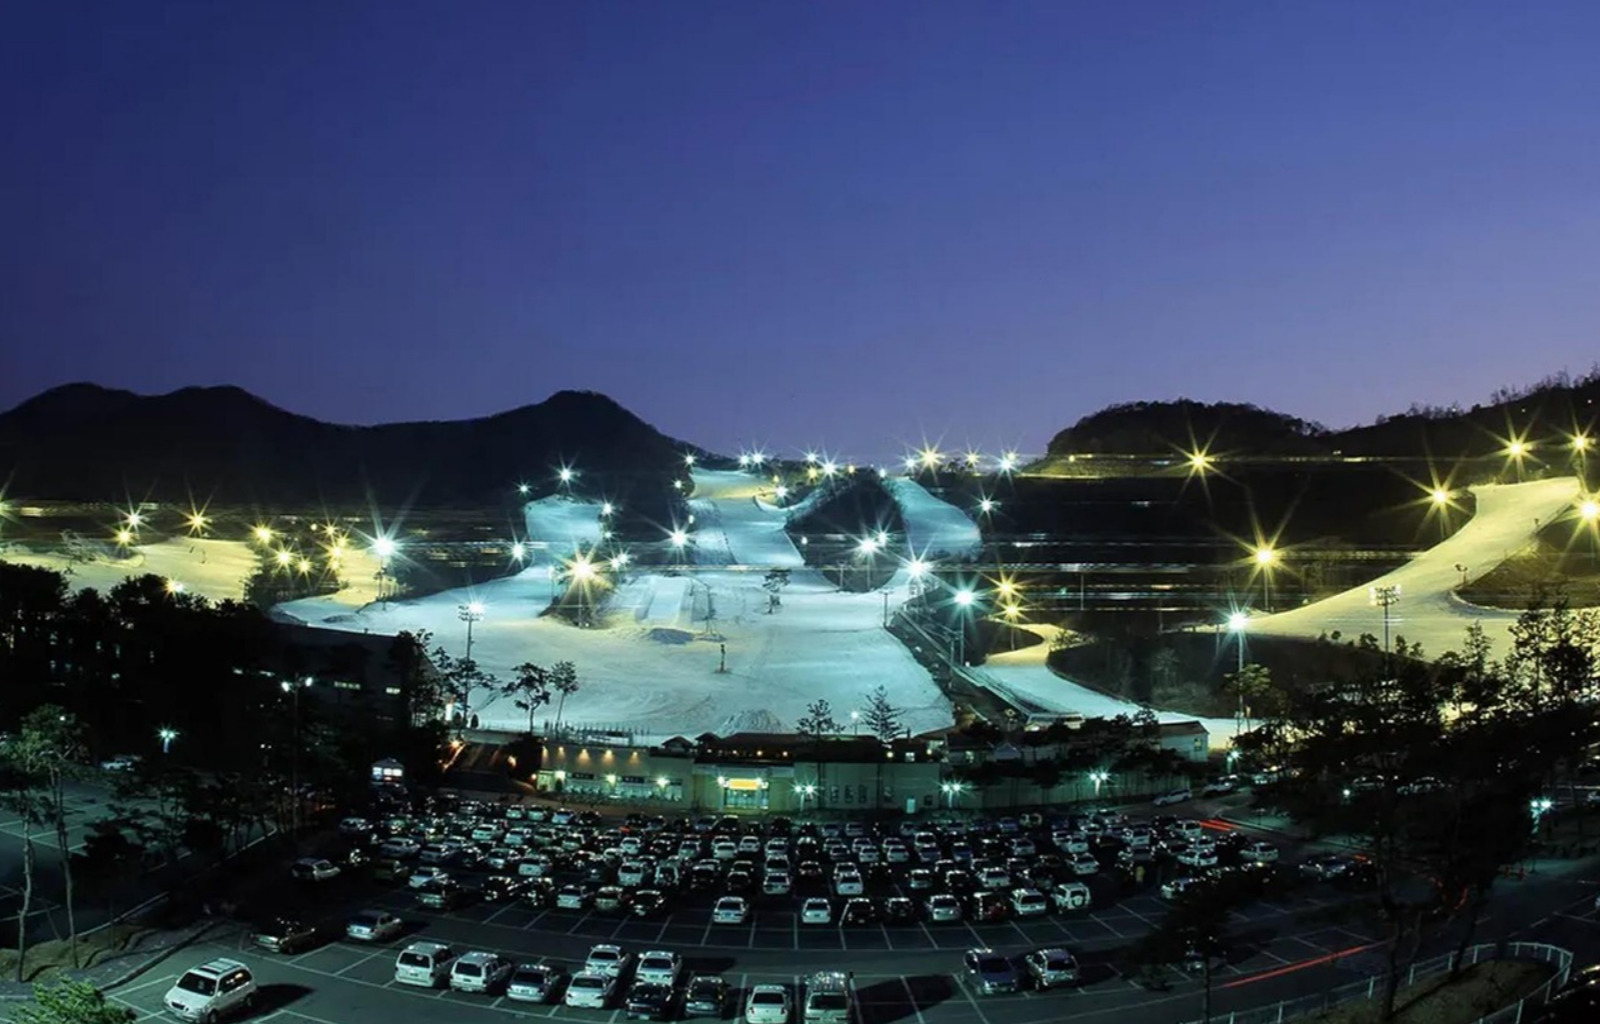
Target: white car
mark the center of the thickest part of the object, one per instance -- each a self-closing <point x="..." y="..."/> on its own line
<point x="608" y="960"/>
<point x="1176" y="888"/>
<point x="943" y="908"/>
<point x="1071" y="896"/>
<point x="1084" y="865"/>
<point x="847" y="881"/>
<point x="768" y="1004"/>
<point x="777" y="883"/>
<point x="399" y="848"/>
<point x="479" y="972"/>
<point x="1198" y="856"/>
<point x="313" y="869"/>
<point x="631" y="874"/>
<point x="1071" y="842"/>
<point x="1022" y="846"/>
<point x="214" y="989"/>
<point x="730" y="910"/>
<point x="816" y="910"/>
<point x="121" y="763"/>
<point x="424" y="963"/>
<point x="428" y="875"/>
<point x="1028" y="903"/>
<point x="1176" y="796"/>
<point x="1188" y="828"/>
<point x="590" y="990"/>
<point x="355" y="827"/>
<point x="659" y="967"/>
<point x="1261" y="853"/>
<point x="374" y="926"/>
<point x="994" y="878"/>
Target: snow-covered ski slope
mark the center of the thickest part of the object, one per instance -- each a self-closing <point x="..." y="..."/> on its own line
<point x="934" y="528"/>
<point x="214" y="569"/>
<point x="651" y="664"/>
<point x="1023" y="673"/>
<point x="1428" y="612"/>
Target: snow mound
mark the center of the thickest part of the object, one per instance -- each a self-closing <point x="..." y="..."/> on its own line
<point x="750" y="720"/>
<point x="934" y="528"/>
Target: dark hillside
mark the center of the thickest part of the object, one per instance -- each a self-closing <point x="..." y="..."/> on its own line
<point x="226" y="446"/>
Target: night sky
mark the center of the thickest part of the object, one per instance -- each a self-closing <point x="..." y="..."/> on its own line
<point x="851" y="225"/>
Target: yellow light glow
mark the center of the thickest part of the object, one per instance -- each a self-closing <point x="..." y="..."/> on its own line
<point x="285" y="558"/>
<point x="305" y="565"/>
<point x="931" y="457"/>
<point x="1199" y="461"/>
<point x="124" y="537"/>
<point x="1265" y="556"/>
<point x="135" y="520"/>
<point x="1440" y="496"/>
<point x="1517" y="448"/>
<point x="1580" y="442"/>
<point x="197" y="521"/>
<point x="582" y="569"/>
<point x="262" y="534"/>
<point x="1589" y="510"/>
<point x="174" y="587"/>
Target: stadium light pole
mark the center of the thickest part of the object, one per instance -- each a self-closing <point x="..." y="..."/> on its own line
<point x="293" y="688"/>
<point x="1266" y="560"/>
<point x="1385" y="597"/>
<point x="470" y="613"/>
<point x="166" y="734"/>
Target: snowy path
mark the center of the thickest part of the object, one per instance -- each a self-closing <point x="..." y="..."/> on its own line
<point x="1428" y="612"/>
<point x="934" y="528"/>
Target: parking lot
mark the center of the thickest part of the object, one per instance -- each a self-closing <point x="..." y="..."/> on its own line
<point x="902" y="970"/>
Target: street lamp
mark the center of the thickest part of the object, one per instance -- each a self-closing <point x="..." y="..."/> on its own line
<point x="855" y="722"/>
<point x="806" y="791"/>
<point x="965" y="600"/>
<point x="166" y="734"/>
<point x="1099" y="777"/>
<point x="1385" y="597"/>
<point x="951" y="790"/>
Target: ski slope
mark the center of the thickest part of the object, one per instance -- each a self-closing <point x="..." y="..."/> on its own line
<point x="1428" y="611"/>
<point x="934" y="528"/>
<point x="651" y="663"/>
<point x="213" y="569"/>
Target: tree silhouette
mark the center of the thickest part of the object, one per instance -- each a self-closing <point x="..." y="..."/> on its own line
<point x="564" y="678"/>
<point x="530" y="690"/>
<point x="817" y="722"/>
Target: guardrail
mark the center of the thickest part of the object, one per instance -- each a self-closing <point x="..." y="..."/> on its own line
<point x="1372" y="988"/>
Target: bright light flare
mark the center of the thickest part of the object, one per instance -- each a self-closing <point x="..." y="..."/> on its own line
<point x="1589" y="511"/>
<point x="174" y="586"/>
<point x="782" y="492"/>
<point x="582" y="569"/>
<point x="987" y="505"/>
<point x="384" y="547"/>
<point x="524" y="489"/>
<point x="868" y="546"/>
<point x="829" y="468"/>
<point x="1581" y="442"/>
<point x="1440" y="496"/>
<point x="930" y="457"/>
<point x="1200" y="461"/>
<point x="1517" y="448"/>
<point x="619" y="561"/>
<point x="565" y="474"/>
<point x="1264" y="556"/>
<point x="688" y="459"/>
<point x="198" y="522"/>
<point x="606" y="509"/>
<point x="678" y="537"/>
<point x="519" y="551"/>
<point x="1008" y="462"/>
<point x="134" y="520"/>
<point x="1237" y="621"/>
<point x="262" y="534"/>
<point x="965" y="597"/>
<point x="285" y="559"/>
<point x="917" y="568"/>
<point x="124" y="537"/>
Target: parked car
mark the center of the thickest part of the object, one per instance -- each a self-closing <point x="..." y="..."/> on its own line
<point x="426" y="875"/>
<point x="768" y="1004"/>
<point x="1174" y="796"/>
<point x="706" y="996"/>
<point x="731" y="910"/>
<point x="1084" y="864"/>
<point x="648" y="1000"/>
<point x="535" y="983"/>
<point x="479" y="972"/>
<point x="442" y="896"/>
<point x="1028" y="903"/>
<point x="214" y="989"/>
<point x="1261" y="853"/>
<point x="988" y="972"/>
<point x="608" y="959"/>
<point x="287" y="935"/>
<point x="943" y="908"/>
<point x="313" y="869"/>
<point x="424" y="963"/>
<point x="374" y="926"/>
<point x="1071" y="896"/>
<point x="659" y="966"/>
<point x="591" y="990"/>
<point x="816" y="910"/>
<point x="1048" y="968"/>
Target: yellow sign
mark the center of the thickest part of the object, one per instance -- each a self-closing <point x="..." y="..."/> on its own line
<point x="744" y="784"/>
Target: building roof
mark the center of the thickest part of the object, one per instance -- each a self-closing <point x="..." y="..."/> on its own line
<point x="1190" y="728"/>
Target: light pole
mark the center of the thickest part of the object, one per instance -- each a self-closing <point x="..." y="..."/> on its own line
<point x="1266" y="559"/>
<point x="1385" y="597"/>
<point x="167" y="734"/>
<point x="1099" y="777"/>
<point x="1237" y="623"/>
<point x="293" y="688"/>
<point x="855" y="723"/>
<point x="965" y="600"/>
<point x="1589" y="512"/>
<point x="951" y="790"/>
<point x="470" y="613"/>
<point x="806" y="791"/>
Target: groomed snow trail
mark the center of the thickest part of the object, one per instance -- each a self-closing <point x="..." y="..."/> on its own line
<point x="934" y="528"/>
<point x="1428" y="612"/>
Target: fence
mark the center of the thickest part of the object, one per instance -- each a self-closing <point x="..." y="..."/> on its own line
<point x="1372" y="988"/>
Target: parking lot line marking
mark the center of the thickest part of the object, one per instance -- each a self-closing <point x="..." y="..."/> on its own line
<point x="931" y="940"/>
<point x="1101" y="921"/>
<point x="165" y="979"/>
<point x="750" y="940"/>
<point x="968" y="993"/>
<point x="912" y="996"/>
<point x="366" y="959"/>
<point x="498" y="911"/>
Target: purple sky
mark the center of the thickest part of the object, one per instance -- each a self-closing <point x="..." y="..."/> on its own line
<point x="848" y="224"/>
